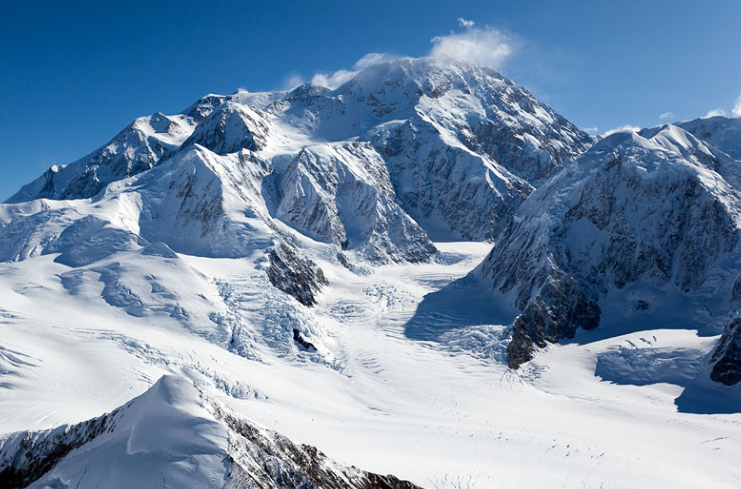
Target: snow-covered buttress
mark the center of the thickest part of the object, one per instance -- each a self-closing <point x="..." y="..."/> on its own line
<point x="641" y="215"/>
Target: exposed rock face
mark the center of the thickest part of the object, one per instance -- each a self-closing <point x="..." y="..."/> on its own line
<point x="295" y="275"/>
<point x="726" y="357"/>
<point x="554" y="314"/>
<point x="342" y="194"/>
<point x="301" y="341"/>
<point x="637" y="208"/>
<point x="450" y="191"/>
<point x="26" y="457"/>
<point x="230" y="128"/>
<point x="177" y="434"/>
<point x="464" y="145"/>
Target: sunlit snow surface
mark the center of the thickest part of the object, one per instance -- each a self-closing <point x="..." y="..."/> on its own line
<point x="397" y="386"/>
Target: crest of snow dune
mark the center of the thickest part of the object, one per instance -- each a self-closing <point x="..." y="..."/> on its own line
<point x="484" y="46"/>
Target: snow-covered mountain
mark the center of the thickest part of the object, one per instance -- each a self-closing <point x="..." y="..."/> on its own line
<point x="645" y="224"/>
<point x="446" y="145"/>
<point x="354" y="267"/>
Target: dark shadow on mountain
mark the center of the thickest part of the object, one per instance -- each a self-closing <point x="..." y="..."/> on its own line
<point x="685" y="367"/>
<point x="461" y="303"/>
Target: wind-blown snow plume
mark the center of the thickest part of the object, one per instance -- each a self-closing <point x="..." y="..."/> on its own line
<point x="625" y="128"/>
<point x="715" y="113"/>
<point x="485" y="45"/>
<point x="337" y="78"/>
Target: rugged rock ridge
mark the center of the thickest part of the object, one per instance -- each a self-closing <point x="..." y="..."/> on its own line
<point x="230" y="128"/>
<point x="295" y="275"/>
<point x="649" y="207"/>
<point x="177" y="435"/>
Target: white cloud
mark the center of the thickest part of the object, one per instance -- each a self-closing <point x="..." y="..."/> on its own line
<point x="625" y="128"/>
<point x="371" y="59"/>
<point x="736" y="112"/>
<point x="591" y="130"/>
<point x="337" y="78"/>
<point x="485" y="45"/>
<point x="332" y="80"/>
<point x="482" y="45"/>
<point x="666" y="116"/>
<point x="291" y="81"/>
<point x="715" y="112"/>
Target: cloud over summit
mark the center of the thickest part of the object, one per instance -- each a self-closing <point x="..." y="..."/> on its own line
<point x="483" y="45"/>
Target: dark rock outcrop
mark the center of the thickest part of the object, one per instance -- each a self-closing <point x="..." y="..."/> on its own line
<point x="555" y="314"/>
<point x="302" y="342"/>
<point x="727" y="355"/>
<point x="25" y="457"/>
<point x="295" y="275"/>
<point x="230" y="128"/>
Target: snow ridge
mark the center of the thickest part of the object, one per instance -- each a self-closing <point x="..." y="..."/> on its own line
<point x="174" y="434"/>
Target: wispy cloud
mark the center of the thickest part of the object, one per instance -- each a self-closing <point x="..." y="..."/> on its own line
<point x="736" y="112"/>
<point x="465" y="22"/>
<point x="483" y="45"/>
<point x="666" y="116"/>
<point x="715" y="113"/>
<point x="591" y="130"/>
<point x="337" y="78"/>
<point x="291" y="81"/>
<point x="625" y="128"/>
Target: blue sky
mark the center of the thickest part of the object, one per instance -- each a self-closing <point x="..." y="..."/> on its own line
<point x="72" y="74"/>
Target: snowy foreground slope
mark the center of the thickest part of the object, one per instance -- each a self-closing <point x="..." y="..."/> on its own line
<point x="176" y="435"/>
<point x="359" y="269"/>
